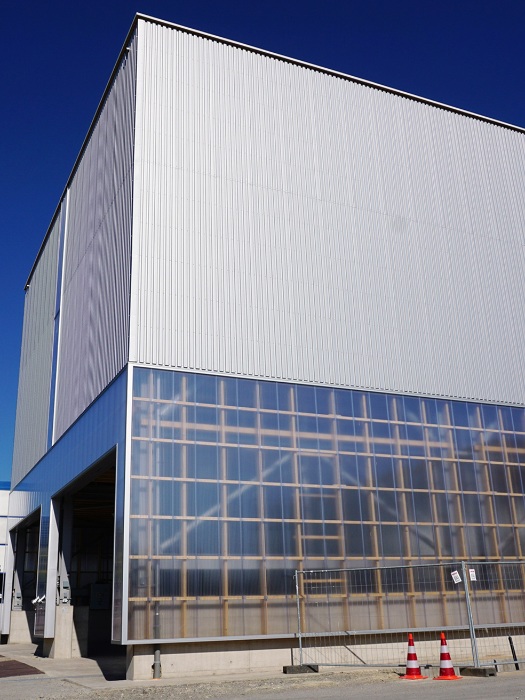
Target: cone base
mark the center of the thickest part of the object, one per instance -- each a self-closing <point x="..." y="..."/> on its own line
<point x="448" y="678"/>
<point x="419" y="677"/>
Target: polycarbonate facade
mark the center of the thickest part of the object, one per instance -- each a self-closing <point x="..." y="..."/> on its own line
<point x="236" y="483"/>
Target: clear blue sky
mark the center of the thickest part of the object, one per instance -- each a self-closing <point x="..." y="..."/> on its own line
<point x="56" y="58"/>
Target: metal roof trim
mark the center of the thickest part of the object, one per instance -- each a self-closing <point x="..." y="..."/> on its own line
<point x="91" y="127"/>
<point x="328" y="71"/>
<point x="254" y="49"/>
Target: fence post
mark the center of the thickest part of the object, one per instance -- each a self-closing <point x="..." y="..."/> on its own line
<point x="473" y="640"/>
<point x="299" y="631"/>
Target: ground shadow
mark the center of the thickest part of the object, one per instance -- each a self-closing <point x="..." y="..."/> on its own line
<point x="112" y="665"/>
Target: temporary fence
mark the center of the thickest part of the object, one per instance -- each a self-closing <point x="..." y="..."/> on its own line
<point x="360" y="617"/>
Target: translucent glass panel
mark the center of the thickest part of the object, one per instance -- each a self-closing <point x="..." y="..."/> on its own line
<point x="236" y="483"/>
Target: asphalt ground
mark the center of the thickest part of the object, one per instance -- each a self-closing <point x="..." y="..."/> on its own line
<point x="83" y="679"/>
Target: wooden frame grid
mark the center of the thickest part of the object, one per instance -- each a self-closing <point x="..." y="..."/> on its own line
<point x="253" y="491"/>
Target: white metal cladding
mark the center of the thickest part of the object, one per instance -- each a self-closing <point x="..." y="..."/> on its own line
<point x="36" y="361"/>
<point x="301" y="226"/>
<point x="93" y="343"/>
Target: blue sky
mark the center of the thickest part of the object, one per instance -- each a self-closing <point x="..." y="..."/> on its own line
<point x="57" y="57"/>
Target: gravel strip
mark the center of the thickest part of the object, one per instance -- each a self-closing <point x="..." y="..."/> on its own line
<point x="58" y="689"/>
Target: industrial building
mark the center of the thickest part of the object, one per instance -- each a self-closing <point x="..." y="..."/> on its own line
<point x="276" y="323"/>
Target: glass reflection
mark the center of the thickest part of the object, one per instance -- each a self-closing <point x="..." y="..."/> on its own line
<point x="237" y="482"/>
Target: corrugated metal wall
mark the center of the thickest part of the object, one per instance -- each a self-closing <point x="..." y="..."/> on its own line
<point x="36" y="361"/>
<point x="296" y="225"/>
<point x="93" y="343"/>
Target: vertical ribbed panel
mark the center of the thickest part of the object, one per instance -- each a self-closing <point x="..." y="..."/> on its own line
<point x="4" y="532"/>
<point x="94" y="323"/>
<point x="301" y="226"/>
<point x="36" y="360"/>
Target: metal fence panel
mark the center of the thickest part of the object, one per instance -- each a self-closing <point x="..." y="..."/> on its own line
<point x="356" y="617"/>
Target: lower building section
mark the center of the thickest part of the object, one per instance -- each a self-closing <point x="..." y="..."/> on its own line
<point x="64" y="564"/>
<point x="174" y="514"/>
<point x="236" y="483"/>
<point x="214" y="658"/>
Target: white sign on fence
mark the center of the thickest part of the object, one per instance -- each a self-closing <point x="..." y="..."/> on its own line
<point x="472" y="574"/>
<point x="456" y="577"/>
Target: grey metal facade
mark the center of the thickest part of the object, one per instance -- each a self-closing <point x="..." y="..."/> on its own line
<point x="36" y="361"/>
<point x="295" y="225"/>
<point x="94" y="323"/>
<point x="76" y="315"/>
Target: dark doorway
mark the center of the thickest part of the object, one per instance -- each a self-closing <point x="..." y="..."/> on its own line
<point x="89" y="512"/>
<point x="25" y="540"/>
<point x="27" y="543"/>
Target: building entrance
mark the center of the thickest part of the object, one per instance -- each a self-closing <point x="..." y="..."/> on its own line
<point x="24" y="541"/>
<point x="85" y="580"/>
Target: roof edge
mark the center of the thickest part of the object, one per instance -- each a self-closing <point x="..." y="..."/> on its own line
<point x="329" y="71"/>
<point x="89" y="132"/>
<point x="247" y="47"/>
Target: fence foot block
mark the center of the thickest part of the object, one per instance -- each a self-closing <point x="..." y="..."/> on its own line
<point x="301" y="668"/>
<point x="483" y="672"/>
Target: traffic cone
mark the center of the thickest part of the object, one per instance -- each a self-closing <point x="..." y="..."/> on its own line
<point x="446" y="670"/>
<point x="413" y="671"/>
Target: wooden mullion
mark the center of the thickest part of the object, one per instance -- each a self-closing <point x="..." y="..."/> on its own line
<point x="223" y="496"/>
<point x="508" y="468"/>
<point x="400" y="483"/>
<point x="297" y="506"/>
<point x="438" y="533"/>
<point x="184" y="514"/>
<point x="455" y="488"/>
<point x="339" y="512"/>
<point x="261" y="521"/>
<point x="374" y="515"/>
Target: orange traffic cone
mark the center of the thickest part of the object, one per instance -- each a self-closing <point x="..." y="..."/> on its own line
<point x="446" y="670"/>
<point x="413" y="671"/>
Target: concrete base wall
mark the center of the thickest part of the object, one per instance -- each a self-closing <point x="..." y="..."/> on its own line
<point x="221" y="657"/>
<point x="210" y="658"/>
<point x="60" y="646"/>
<point x="71" y="633"/>
<point x="79" y="640"/>
<point x="21" y="627"/>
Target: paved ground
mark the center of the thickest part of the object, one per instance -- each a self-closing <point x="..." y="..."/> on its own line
<point x="10" y="667"/>
<point x="86" y="679"/>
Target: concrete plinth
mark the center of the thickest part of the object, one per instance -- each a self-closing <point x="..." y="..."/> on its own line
<point x="483" y="672"/>
<point x="209" y="658"/>
<point x="301" y="668"/>
<point x="21" y="627"/>
<point x="60" y="647"/>
<point x="71" y="634"/>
